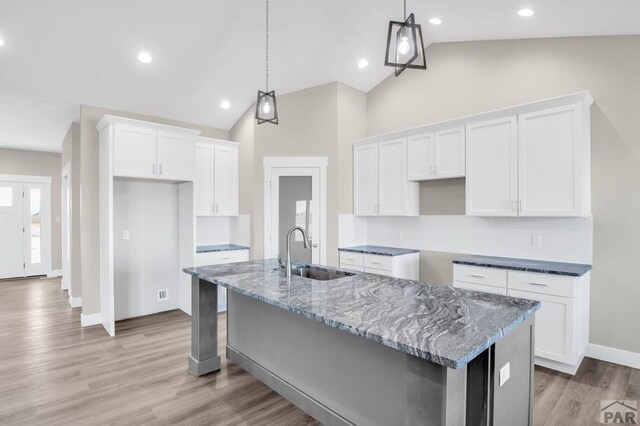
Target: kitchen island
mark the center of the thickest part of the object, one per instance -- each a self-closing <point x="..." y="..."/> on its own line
<point x="370" y="349"/>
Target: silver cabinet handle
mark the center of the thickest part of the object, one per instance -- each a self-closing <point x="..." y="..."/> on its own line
<point x="224" y="258"/>
<point x="539" y="284"/>
<point x="153" y="168"/>
<point x="216" y="208"/>
<point x="160" y="168"/>
<point x="376" y="263"/>
<point x="213" y="208"/>
<point x="477" y="276"/>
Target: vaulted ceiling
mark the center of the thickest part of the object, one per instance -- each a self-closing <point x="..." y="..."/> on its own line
<point x="60" y="54"/>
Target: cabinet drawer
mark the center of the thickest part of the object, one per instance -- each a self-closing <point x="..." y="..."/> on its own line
<point x="348" y="267"/>
<point x="479" y="275"/>
<point x="374" y="261"/>
<point x="554" y="285"/>
<point x="220" y="257"/>
<point x="480" y="287"/>
<point x="351" y="258"/>
<point x="378" y="272"/>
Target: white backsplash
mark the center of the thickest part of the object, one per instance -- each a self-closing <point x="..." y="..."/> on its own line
<point x="562" y="239"/>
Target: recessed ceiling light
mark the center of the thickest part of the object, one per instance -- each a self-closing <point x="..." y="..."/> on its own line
<point x="225" y="105"/>
<point x="435" y="21"/>
<point x="1" y="42"/>
<point x="363" y="63"/>
<point x="526" y="12"/>
<point x="145" y="57"/>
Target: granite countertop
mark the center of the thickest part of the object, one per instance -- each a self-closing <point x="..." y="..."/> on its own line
<point x="444" y="325"/>
<point x="219" y="247"/>
<point x="540" y="266"/>
<point x="379" y="250"/>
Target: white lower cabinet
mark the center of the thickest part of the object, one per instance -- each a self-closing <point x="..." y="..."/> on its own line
<point x="405" y="266"/>
<point x="562" y="322"/>
<point x="219" y="258"/>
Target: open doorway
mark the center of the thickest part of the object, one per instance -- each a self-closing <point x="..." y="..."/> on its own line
<point x="295" y="194"/>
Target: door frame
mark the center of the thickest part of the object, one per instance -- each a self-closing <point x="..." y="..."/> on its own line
<point x="66" y="200"/>
<point x="318" y="163"/>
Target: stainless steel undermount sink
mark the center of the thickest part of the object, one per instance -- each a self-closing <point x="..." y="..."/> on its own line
<point x="319" y="274"/>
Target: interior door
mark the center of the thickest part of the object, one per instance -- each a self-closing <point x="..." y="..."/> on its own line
<point x="393" y="177"/>
<point x="365" y="180"/>
<point x="11" y="217"/>
<point x="176" y="156"/>
<point x="226" y="181"/>
<point x="492" y="168"/>
<point x="37" y="229"/>
<point x="203" y="184"/>
<point x="295" y="200"/>
<point x="134" y="152"/>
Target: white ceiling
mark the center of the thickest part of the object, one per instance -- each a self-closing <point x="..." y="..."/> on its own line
<point x="60" y="54"/>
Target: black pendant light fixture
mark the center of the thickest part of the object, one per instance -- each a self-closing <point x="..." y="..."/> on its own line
<point x="405" y="48"/>
<point x="266" y="110"/>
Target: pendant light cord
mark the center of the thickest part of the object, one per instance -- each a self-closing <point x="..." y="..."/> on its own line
<point x="405" y="9"/>
<point x="266" y="56"/>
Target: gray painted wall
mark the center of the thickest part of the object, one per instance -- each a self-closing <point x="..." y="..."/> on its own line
<point x="71" y="155"/>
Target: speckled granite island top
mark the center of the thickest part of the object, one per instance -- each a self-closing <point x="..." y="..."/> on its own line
<point x="379" y="250"/>
<point x="219" y="247"/>
<point x="540" y="266"/>
<point x="447" y="326"/>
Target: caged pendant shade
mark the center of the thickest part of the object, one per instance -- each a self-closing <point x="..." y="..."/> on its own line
<point x="266" y="109"/>
<point x="405" y="48"/>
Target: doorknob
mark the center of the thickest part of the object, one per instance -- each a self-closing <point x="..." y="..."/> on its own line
<point x="315" y="245"/>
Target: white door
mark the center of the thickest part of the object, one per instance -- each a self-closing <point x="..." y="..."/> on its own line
<point x="549" y="172"/>
<point x="203" y="184"/>
<point x="134" y="152"/>
<point x="66" y="228"/>
<point x="449" y="153"/>
<point x="295" y="200"/>
<point x="554" y="328"/>
<point x="492" y="168"/>
<point x="176" y="156"/>
<point x="11" y="229"/>
<point x="37" y="234"/>
<point x="421" y="159"/>
<point x="226" y="180"/>
<point x="393" y="177"/>
<point x="365" y="180"/>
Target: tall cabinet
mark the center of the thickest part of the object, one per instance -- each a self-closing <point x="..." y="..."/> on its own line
<point x="217" y="177"/>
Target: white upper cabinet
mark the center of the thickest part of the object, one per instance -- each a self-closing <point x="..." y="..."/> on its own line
<point x="380" y="181"/>
<point x="436" y="155"/>
<point x="134" y="151"/>
<point x="550" y="162"/>
<point x="365" y="179"/>
<point x="217" y="178"/>
<point x="150" y="150"/>
<point x="492" y="167"/>
<point x="176" y="156"/>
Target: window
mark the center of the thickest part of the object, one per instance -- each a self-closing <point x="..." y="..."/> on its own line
<point x="36" y="221"/>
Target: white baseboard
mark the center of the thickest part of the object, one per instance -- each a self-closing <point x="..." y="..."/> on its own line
<point x="54" y="273"/>
<point x="91" y="319"/>
<point x="75" y="302"/>
<point x="558" y="366"/>
<point x="616" y="356"/>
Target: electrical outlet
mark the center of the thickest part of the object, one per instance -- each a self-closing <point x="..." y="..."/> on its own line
<point x="505" y="373"/>
<point x="536" y="240"/>
<point x="125" y="235"/>
<point x="163" y="294"/>
<point x="399" y="234"/>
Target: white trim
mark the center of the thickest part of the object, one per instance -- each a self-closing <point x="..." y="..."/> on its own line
<point x="559" y="366"/>
<point x="222" y="142"/>
<point x="269" y="162"/>
<point x="66" y="225"/>
<point x="614" y="355"/>
<point x="75" y="302"/>
<point x="91" y="319"/>
<point x="112" y="119"/>
<point x="54" y="273"/>
<point x="25" y="178"/>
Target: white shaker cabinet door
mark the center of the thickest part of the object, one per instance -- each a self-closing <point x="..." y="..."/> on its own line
<point x="203" y="184"/>
<point x="365" y="179"/>
<point x="176" y="156"/>
<point x="393" y="177"/>
<point x="449" y="153"/>
<point x="550" y="162"/>
<point x="421" y="159"/>
<point x="492" y="168"/>
<point x="134" y="152"/>
<point x="226" y="180"/>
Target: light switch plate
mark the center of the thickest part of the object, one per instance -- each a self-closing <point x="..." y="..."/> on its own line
<point x="125" y="235"/>
<point x="536" y="240"/>
<point x="505" y="373"/>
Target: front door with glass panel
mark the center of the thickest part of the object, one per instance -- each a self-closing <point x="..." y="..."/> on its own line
<point x="295" y="195"/>
<point x="25" y="228"/>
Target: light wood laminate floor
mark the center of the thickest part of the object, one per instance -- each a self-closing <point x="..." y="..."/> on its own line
<point x="52" y="371"/>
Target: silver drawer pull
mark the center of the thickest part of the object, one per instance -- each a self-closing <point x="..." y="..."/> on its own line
<point x="477" y="276"/>
<point x="224" y="258"/>
<point x="539" y="284"/>
<point x="376" y="263"/>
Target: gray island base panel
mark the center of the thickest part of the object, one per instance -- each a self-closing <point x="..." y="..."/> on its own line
<point x="349" y="378"/>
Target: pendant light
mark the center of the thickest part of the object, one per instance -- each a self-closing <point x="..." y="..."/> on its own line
<point x="405" y="48"/>
<point x="266" y="110"/>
